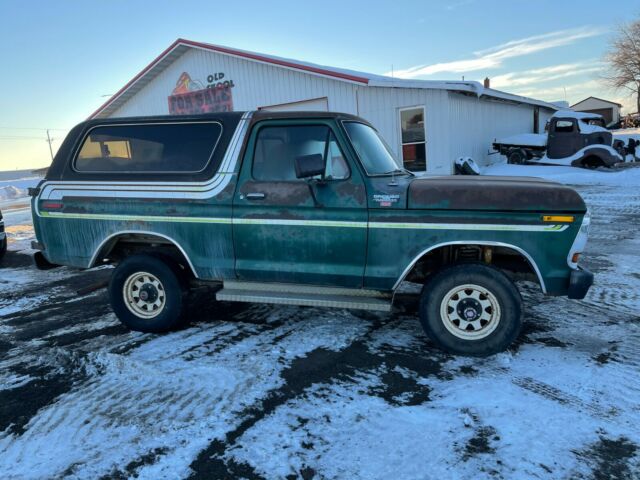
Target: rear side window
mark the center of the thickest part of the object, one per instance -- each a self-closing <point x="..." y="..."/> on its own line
<point x="148" y="148"/>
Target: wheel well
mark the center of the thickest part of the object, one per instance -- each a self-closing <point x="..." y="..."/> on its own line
<point x="508" y="259"/>
<point x="118" y="247"/>
<point x="593" y="160"/>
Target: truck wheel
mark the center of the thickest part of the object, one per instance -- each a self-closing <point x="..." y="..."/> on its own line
<point x="592" y="162"/>
<point x="147" y="294"/>
<point x="517" y="156"/>
<point x="3" y="247"/>
<point x="471" y="310"/>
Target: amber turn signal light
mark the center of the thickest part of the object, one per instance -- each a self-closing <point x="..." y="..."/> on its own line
<point x="558" y="218"/>
<point x="575" y="257"/>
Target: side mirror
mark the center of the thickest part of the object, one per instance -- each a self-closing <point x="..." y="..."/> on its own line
<point x="310" y="166"/>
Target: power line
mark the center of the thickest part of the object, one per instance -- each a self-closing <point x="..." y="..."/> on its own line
<point x="35" y="128"/>
<point x="21" y="137"/>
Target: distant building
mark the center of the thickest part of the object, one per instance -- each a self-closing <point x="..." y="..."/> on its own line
<point x="428" y="124"/>
<point x="608" y="109"/>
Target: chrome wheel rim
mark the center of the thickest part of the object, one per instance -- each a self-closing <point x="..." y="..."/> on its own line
<point x="470" y="312"/>
<point x="144" y="295"/>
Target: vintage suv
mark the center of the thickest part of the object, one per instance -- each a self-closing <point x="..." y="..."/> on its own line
<point x="301" y="208"/>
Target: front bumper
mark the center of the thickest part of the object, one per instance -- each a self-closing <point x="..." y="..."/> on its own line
<point x="579" y="283"/>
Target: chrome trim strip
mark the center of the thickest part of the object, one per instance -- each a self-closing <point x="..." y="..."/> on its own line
<point x="94" y="257"/>
<point x="472" y="242"/>
<point x="138" y="189"/>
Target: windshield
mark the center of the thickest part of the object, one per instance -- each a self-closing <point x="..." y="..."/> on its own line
<point x="374" y="154"/>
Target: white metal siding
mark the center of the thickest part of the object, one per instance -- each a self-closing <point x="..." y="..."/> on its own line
<point x="316" y="105"/>
<point x="456" y="125"/>
<point x="256" y="84"/>
<point x="381" y="106"/>
<point x="475" y="123"/>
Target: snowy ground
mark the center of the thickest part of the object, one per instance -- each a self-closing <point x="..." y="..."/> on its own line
<point x="254" y="391"/>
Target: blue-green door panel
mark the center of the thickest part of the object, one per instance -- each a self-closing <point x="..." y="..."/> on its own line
<point x="285" y="237"/>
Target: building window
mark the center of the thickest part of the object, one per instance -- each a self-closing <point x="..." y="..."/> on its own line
<point x="414" y="152"/>
<point x="149" y="148"/>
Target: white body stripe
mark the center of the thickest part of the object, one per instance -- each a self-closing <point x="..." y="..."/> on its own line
<point x="56" y="190"/>
<point x="314" y="223"/>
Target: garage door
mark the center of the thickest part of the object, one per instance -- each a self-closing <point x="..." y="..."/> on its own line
<point x="313" y="104"/>
<point x="607" y="113"/>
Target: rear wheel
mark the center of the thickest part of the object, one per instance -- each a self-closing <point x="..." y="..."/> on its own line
<point x="517" y="156"/>
<point x="471" y="309"/>
<point x="147" y="294"/>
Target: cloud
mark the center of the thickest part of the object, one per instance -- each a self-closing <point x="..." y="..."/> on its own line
<point x="572" y="92"/>
<point x="493" y="57"/>
<point x="458" y="4"/>
<point x="546" y="74"/>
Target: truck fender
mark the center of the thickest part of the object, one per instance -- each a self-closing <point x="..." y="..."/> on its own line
<point x="522" y="252"/>
<point x="114" y="236"/>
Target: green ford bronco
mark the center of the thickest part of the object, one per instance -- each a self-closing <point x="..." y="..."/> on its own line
<point x="301" y="208"/>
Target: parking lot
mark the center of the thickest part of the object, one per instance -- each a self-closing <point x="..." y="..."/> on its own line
<point x="255" y="391"/>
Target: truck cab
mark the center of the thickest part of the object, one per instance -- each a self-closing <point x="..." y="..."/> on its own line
<point x="304" y="208"/>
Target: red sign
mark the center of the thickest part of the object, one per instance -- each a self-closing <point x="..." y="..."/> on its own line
<point x="188" y="97"/>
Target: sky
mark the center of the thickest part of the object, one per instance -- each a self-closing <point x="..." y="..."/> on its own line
<point x="60" y="60"/>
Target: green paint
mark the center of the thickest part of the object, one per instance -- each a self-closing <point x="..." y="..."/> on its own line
<point x="348" y="241"/>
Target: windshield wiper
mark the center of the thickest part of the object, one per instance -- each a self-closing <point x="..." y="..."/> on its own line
<point x="400" y="170"/>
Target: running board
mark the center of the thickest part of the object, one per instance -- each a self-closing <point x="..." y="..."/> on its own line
<point x="305" y="295"/>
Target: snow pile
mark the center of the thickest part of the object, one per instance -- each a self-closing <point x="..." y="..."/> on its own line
<point x="626" y="133"/>
<point x="10" y="192"/>
<point x="568" y="175"/>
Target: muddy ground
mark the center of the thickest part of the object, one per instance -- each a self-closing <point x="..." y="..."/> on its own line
<point x="254" y="391"/>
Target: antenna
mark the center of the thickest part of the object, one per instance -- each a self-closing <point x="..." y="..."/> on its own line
<point x="50" y="141"/>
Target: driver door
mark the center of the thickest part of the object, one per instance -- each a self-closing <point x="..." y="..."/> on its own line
<point x="280" y="233"/>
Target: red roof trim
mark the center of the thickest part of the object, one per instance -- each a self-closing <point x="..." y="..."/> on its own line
<point x="237" y="53"/>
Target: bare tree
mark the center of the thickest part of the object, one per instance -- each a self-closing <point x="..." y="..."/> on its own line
<point x="623" y="58"/>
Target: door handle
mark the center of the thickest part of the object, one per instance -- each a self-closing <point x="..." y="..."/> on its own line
<point x="255" y="196"/>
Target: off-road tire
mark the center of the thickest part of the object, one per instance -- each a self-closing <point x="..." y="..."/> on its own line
<point x="490" y="281"/>
<point x="171" y="285"/>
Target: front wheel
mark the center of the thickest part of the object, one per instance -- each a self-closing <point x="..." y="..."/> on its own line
<point x="147" y="294"/>
<point x="471" y="310"/>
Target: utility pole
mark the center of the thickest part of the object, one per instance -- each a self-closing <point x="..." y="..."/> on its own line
<point x="49" y="141"/>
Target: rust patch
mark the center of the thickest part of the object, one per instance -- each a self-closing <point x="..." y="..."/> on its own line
<point x="280" y="193"/>
<point x="493" y="193"/>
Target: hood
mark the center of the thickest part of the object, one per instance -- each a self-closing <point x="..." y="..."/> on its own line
<point x="462" y="192"/>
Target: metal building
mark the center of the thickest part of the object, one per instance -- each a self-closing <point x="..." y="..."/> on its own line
<point x="427" y="123"/>
<point x="609" y="110"/>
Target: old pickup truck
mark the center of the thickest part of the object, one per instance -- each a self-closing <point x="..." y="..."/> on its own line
<point x="301" y="209"/>
<point x="575" y="139"/>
